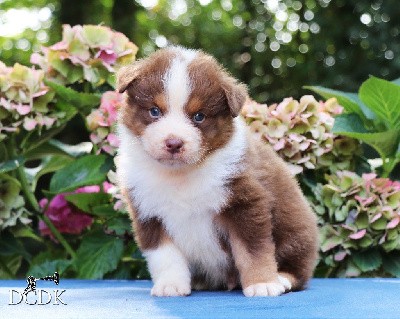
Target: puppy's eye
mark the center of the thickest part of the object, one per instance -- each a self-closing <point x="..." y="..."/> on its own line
<point x="155" y="112"/>
<point x="199" y="117"/>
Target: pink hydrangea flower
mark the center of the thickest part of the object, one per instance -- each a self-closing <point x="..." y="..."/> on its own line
<point x="301" y="132"/>
<point x="358" y="211"/>
<point x="22" y="96"/>
<point x="107" y="56"/>
<point x="102" y="121"/>
<point x="92" y="48"/>
<point x="66" y="218"/>
<point x="358" y="235"/>
<point x="112" y="189"/>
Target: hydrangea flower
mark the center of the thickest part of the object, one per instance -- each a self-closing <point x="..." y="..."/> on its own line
<point x="301" y="132"/>
<point x="12" y="204"/>
<point x="102" y="122"/>
<point x="357" y="212"/>
<point x="88" y="52"/>
<point x="25" y="102"/>
<point x="112" y="189"/>
<point x="66" y="218"/>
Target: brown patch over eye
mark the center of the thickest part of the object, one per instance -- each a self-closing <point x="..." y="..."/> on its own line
<point x="161" y="102"/>
<point x="208" y="97"/>
<point x="146" y="91"/>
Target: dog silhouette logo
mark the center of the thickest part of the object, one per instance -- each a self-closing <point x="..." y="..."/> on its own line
<point x="32" y="282"/>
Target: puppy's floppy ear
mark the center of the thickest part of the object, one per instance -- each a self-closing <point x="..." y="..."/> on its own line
<point x="126" y="75"/>
<point x="235" y="92"/>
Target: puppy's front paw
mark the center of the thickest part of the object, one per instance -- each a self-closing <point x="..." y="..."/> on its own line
<point x="285" y="282"/>
<point x="170" y="289"/>
<point x="271" y="289"/>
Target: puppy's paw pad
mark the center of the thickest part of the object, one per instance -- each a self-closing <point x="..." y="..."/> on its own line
<point x="271" y="289"/>
<point x="170" y="290"/>
<point x="285" y="282"/>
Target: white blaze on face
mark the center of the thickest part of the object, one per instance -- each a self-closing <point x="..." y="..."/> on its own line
<point x="176" y="81"/>
<point x="175" y="123"/>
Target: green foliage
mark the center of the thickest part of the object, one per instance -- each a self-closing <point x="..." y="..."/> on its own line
<point x="372" y="117"/>
<point x="87" y="170"/>
<point x="97" y="255"/>
<point x="84" y="102"/>
<point x="368" y="260"/>
<point x="383" y="99"/>
<point x="48" y="267"/>
<point x="86" y="202"/>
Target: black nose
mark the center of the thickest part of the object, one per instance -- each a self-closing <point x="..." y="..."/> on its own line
<point x="173" y="145"/>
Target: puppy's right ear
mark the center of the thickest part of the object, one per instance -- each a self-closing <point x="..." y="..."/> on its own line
<point x="126" y="75"/>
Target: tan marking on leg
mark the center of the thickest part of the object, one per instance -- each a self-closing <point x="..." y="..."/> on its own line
<point x="253" y="269"/>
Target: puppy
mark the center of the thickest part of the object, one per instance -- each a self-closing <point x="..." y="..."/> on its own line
<point x="212" y="208"/>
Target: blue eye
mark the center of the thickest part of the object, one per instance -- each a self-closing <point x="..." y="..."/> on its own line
<point x="199" y="117"/>
<point x="155" y="112"/>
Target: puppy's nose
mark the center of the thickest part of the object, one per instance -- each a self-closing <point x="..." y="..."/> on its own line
<point x="173" y="145"/>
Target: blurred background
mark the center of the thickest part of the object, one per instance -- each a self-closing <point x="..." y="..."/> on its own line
<point x="275" y="46"/>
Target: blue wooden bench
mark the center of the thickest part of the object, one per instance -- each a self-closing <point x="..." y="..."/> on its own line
<point x="325" y="298"/>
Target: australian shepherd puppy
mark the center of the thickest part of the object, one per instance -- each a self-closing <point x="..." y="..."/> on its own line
<point x="212" y="208"/>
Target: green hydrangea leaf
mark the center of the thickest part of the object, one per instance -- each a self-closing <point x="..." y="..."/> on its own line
<point x="11" y="164"/>
<point x="87" y="170"/>
<point x="391" y="263"/>
<point x="13" y="263"/>
<point x="368" y="260"/>
<point x="120" y="225"/>
<point x="383" y="98"/>
<point x="104" y="211"/>
<point x="97" y="255"/>
<point x="49" y="267"/>
<point x="351" y="125"/>
<point x="9" y="246"/>
<point x="83" y="101"/>
<point x="87" y="201"/>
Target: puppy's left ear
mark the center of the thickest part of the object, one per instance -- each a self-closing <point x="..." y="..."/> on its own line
<point x="236" y="94"/>
<point x="126" y="75"/>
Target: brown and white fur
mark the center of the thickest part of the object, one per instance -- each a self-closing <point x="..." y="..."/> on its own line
<point x="221" y="211"/>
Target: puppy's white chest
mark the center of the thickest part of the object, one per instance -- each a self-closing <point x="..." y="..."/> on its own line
<point x="187" y="209"/>
<point x="196" y="236"/>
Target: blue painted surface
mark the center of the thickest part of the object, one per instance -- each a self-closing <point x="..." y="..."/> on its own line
<point x="325" y="298"/>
